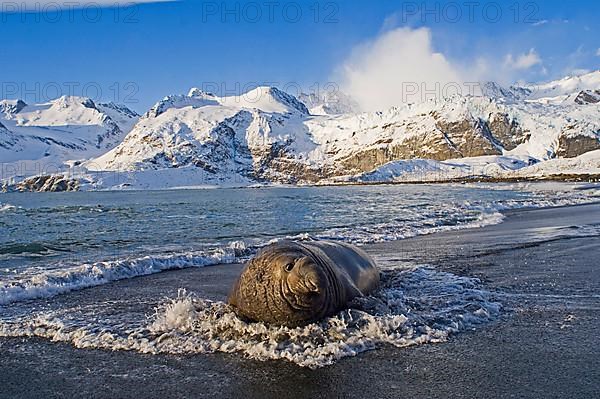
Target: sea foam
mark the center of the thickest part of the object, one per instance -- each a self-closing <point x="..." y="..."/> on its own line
<point x="414" y="306"/>
<point x="54" y="282"/>
<point x="7" y="207"/>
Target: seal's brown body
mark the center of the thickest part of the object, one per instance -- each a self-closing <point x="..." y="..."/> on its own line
<point x="295" y="283"/>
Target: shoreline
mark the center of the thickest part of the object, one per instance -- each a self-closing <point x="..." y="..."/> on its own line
<point x="513" y="212"/>
<point x="555" y="178"/>
<point x="542" y="346"/>
<point x="570" y="178"/>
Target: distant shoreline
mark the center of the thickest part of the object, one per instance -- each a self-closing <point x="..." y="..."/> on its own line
<point x="570" y="178"/>
<point x="558" y="178"/>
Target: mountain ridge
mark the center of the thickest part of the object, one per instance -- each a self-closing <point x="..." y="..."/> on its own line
<point x="269" y="136"/>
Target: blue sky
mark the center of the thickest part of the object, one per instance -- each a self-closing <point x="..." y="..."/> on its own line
<point x="139" y="54"/>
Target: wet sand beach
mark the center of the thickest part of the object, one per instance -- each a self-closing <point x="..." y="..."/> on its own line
<point x="542" y="264"/>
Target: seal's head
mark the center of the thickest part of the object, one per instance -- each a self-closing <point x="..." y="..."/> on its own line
<point x="284" y="284"/>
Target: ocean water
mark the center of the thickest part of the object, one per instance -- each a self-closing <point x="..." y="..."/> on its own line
<point x="52" y="244"/>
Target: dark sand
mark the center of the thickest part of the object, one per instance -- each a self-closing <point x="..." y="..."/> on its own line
<point x="545" y="345"/>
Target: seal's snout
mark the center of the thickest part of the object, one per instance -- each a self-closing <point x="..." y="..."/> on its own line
<point x="312" y="282"/>
<point x="311" y="276"/>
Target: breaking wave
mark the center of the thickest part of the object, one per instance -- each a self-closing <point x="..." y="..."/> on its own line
<point x="399" y="231"/>
<point x="414" y="306"/>
<point x="7" y="207"/>
<point x="56" y="282"/>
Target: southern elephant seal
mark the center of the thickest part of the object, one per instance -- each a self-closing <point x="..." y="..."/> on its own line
<point x="294" y="283"/>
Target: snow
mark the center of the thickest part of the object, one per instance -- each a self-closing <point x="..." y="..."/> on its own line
<point x="561" y="90"/>
<point x="201" y="139"/>
<point x="267" y="99"/>
<point x="183" y="130"/>
<point x="164" y="179"/>
<point x="44" y="137"/>
<point x="332" y="102"/>
<point x="588" y="163"/>
<point x="421" y="170"/>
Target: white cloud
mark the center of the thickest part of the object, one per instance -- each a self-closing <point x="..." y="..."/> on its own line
<point x="386" y="71"/>
<point x="522" y="61"/>
<point x="540" y="23"/>
<point x="598" y="52"/>
<point x="379" y="72"/>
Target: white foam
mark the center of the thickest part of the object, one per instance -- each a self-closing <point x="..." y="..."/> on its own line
<point x="413" y="307"/>
<point x="56" y="282"/>
<point x="466" y="215"/>
<point x="397" y="231"/>
<point x="7" y="207"/>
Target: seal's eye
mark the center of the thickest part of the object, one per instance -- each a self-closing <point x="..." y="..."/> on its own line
<point x="289" y="267"/>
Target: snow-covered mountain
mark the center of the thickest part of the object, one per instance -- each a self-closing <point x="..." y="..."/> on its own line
<point x="41" y="138"/>
<point x="582" y="89"/>
<point x="223" y="136"/>
<point x="329" y="102"/>
<point x="8" y="140"/>
<point x="267" y="135"/>
<point x="567" y="89"/>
